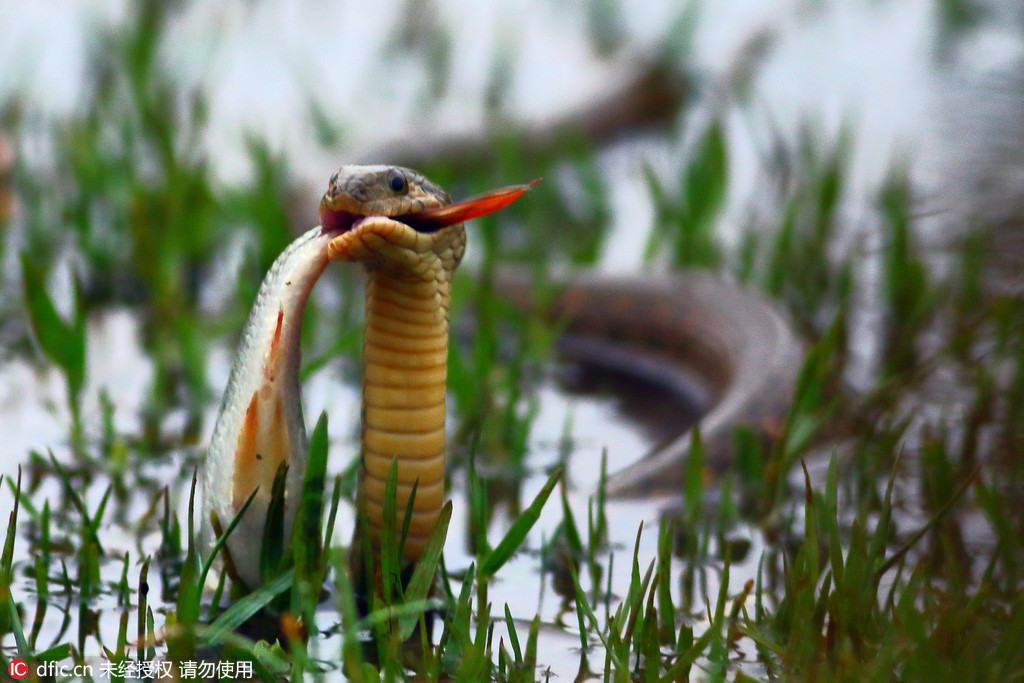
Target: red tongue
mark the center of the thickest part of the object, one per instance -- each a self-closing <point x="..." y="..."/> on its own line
<point x="474" y="207"/>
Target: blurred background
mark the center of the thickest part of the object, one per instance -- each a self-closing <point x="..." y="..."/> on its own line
<point x="167" y="151"/>
<point x="861" y="162"/>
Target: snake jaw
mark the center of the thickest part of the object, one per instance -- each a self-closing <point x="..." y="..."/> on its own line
<point x="386" y="242"/>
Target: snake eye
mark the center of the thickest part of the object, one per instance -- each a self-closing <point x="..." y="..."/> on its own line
<point x="397" y="182"/>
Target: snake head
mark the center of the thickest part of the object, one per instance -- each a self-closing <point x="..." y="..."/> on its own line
<point x="358" y="191"/>
<point x="397" y="218"/>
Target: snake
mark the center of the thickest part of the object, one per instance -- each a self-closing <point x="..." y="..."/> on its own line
<point x="692" y="333"/>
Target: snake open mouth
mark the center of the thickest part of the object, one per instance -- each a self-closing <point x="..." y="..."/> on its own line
<point x="431" y="220"/>
<point x="338" y="222"/>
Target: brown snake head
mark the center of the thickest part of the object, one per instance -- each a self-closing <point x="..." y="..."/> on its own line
<point x="378" y="191"/>
<point x="393" y="217"/>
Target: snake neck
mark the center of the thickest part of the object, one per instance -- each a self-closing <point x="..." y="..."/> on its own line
<point x="405" y="352"/>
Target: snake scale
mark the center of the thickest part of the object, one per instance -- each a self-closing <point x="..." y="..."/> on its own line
<point x="689" y="332"/>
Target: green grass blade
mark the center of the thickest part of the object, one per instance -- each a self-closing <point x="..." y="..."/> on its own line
<point x="572" y="534"/>
<point x="513" y="637"/>
<point x="309" y="516"/>
<point x="530" y="658"/>
<point x="143" y="600"/>
<point x="182" y="645"/>
<point x="7" y="558"/>
<point x="413" y="609"/>
<point x="666" y="610"/>
<point x="54" y="654"/>
<point x="517" y="533"/>
<point x="266" y="658"/>
<point x="422" y="580"/>
<point x="88" y="524"/>
<point x="599" y="534"/>
<point x="390" y="560"/>
<point x="305" y="541"/>
<point x="687" y="658"/>
<point x="407" y="518"/>
<point x="222" y="538"/>
<point x="272" y="545"/>
<point x="14" y="622"/>
<point x="920" y="533"/>
<point x="583" y="607"/>
<point x="240" y="612"/>
<point x="62" y="343"/>
<point x="332" y="515"/>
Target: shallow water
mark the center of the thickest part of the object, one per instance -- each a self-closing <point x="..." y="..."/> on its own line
<point x="130" y="527"/>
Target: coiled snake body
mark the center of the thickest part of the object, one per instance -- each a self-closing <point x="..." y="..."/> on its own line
<point x="710" y="343"/>
<point x="410" y="238"/>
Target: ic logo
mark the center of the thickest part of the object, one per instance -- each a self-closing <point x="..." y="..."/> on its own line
<point x="17" y="668"/>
